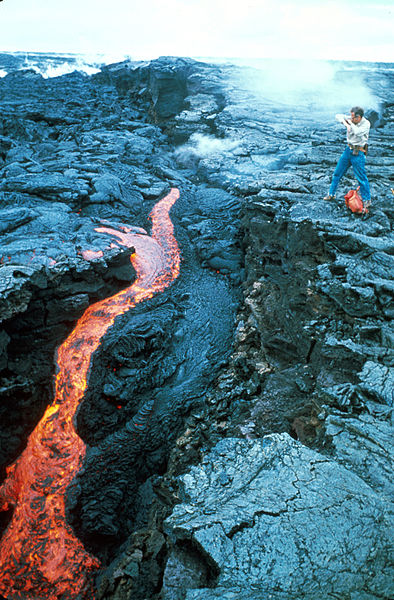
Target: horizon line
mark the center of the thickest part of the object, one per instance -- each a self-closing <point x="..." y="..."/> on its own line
<point x="194" y="57"/>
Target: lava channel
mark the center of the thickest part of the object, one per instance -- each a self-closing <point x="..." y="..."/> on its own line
<point x="40" y="557"/>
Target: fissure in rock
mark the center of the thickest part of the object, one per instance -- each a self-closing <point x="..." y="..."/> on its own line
<point x="40" y="556"/>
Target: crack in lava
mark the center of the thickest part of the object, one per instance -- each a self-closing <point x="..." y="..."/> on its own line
<point x="40" y="557"/>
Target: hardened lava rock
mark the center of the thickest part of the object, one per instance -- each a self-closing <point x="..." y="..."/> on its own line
<point x="278" y="520"/>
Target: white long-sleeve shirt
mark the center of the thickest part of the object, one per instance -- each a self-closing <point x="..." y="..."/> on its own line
<point x="358" y="134"/>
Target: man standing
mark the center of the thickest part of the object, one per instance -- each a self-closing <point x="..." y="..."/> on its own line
<point x="354" y="154"/>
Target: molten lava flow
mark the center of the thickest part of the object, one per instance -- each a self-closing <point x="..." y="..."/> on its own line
<point x="92" y="254"/>
<point x="40" y="558"/>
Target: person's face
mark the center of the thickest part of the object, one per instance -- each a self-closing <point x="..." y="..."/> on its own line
<point x="355" y="119"/>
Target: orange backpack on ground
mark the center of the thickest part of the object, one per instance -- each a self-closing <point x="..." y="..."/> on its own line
<point x="354" y="202"/>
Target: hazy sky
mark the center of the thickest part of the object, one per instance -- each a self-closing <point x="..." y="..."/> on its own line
<point x="329" y="29"/>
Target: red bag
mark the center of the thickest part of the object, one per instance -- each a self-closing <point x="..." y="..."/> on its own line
<point x="354" y="202"/>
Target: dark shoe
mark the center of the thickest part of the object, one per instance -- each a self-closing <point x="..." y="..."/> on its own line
<point x="328" y="197"/>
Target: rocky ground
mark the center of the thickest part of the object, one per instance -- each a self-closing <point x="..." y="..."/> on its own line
<point x="266" y="471"/>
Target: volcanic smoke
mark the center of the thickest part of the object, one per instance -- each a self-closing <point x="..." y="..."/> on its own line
<point x="40" y="557"/>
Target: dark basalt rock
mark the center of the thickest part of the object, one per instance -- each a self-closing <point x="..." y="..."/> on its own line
<point x="177" y="88"/>
<point x="281" y="321"/>
<point x="282" y="521"/>
<point x="52" y="186"/>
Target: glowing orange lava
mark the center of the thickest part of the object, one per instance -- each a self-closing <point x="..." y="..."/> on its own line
<point x="92" y="254"/>
<point x="40" y="557"/>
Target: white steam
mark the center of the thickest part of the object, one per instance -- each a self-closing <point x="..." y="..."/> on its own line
<point x="204" y="146"/>
<point x="320" y="85"/>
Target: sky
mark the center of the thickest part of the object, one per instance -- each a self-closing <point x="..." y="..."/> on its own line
<point x="144" y="29"/>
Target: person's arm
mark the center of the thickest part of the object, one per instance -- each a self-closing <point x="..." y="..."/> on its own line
<point x="342" y="118"/>
<point x="348" y="124"/>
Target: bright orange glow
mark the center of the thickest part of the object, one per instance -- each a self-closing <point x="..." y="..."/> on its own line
<point x="92" y="254"/>
<point x="40" y="557"/>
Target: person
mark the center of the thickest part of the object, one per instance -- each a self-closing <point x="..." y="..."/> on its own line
<point x="354" y="154"/>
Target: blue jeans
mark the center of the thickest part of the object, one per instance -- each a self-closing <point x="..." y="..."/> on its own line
<point x="358" y="164"/>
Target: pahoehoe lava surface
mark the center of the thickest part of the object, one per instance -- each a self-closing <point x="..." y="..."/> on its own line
<point x="238" y="425"/>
